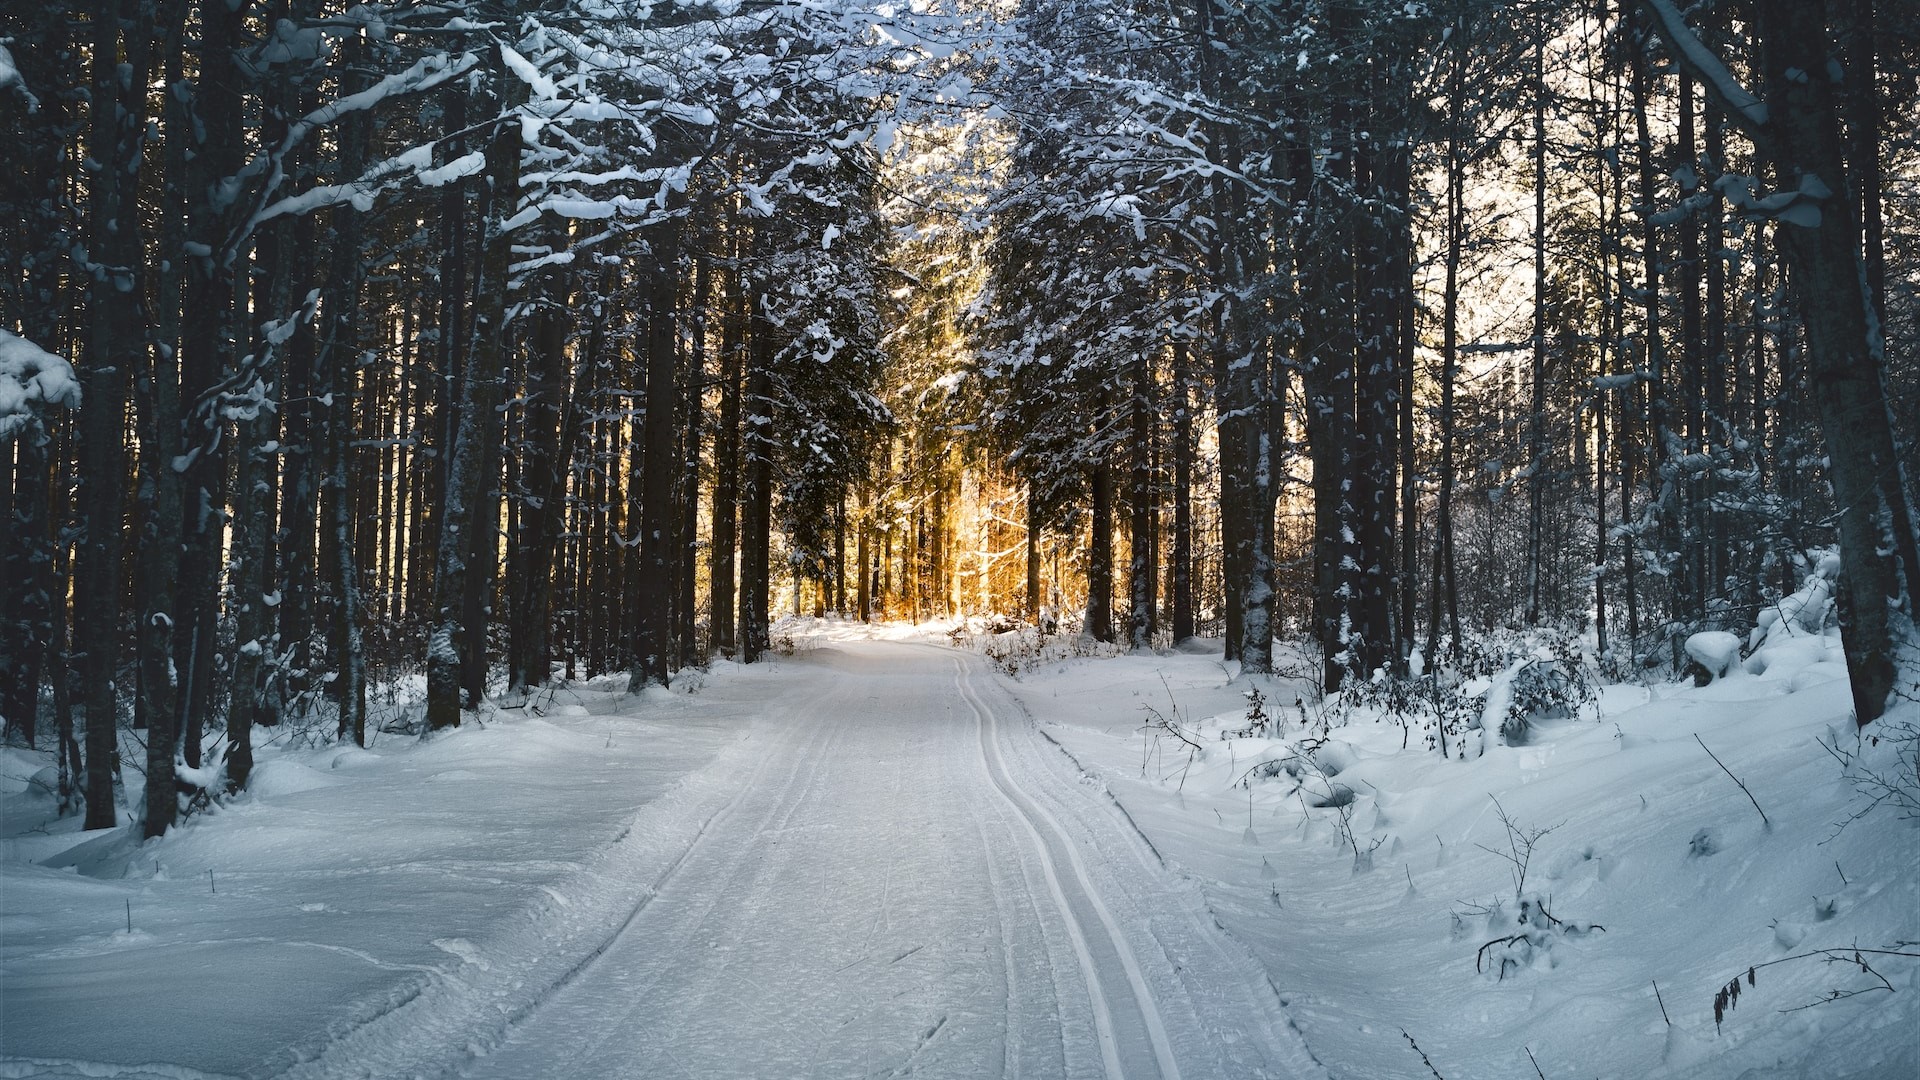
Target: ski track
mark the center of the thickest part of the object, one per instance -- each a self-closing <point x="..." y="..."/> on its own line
<point x="1097" y="942"/>
<point x="894" y="873"/>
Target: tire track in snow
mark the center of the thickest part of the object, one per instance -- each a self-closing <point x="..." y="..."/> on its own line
<point x="1236" y="984"/>
<point x="438" y="1026"/>
<point x="1129" y="1051"/>
<point x="782" y="807"/>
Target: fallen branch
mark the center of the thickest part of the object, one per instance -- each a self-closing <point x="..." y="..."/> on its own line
<point x="1729" y="995"/>
<point x="1743" y="787"/>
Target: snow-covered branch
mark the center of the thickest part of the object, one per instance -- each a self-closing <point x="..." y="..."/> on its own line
<point x="1749" y="112"/>
<point x="31" y="376"/>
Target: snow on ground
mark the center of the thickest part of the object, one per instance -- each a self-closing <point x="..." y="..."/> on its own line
<point x="1647" y="838"/>
<point x="345" y="883"/>
<point x="872" y="854"/>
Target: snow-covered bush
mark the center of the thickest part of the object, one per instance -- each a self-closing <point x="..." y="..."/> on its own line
<point x="1715" y="653"/>
<point x="1883" y="766"/>
<point x="1525" y="939"/>
<point x="1530" y="946"/>
<point x="1502" y="682"/>
<point x="1533" y="678"/>
<point x="1258" y="722"/>
<point x="1807" y="612"/>
<point x="1016" y="646"/>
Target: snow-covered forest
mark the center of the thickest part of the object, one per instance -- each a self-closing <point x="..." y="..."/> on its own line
<point x="1312" y="430"/>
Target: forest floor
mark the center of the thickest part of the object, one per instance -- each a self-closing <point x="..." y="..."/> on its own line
<point x="879" y="857"/>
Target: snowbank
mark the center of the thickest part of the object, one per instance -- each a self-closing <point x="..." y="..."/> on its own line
<point x="1527" y="901"/>
<point x="444" y="878"/>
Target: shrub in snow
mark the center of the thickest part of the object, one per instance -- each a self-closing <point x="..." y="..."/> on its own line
<point x="1017" y="647"/>
<point x="1534" y="928"/>
<point x="1851" y="960"/>
<point x="1882" y="763"/>
<point x="1715" y="652"/>
<point x="1258" y="722"/>
<point x="1807" y="612"/>
<point x="1551" y="684"/>
<point x="1503" y="683"/>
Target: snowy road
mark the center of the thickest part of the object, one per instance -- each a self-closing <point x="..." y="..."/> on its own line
<point x="909" y="880"/>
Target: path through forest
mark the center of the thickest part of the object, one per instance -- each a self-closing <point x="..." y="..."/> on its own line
<point x="865" y="860"/>
<point x="910" y="879"/>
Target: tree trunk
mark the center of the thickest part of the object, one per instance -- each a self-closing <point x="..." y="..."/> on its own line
<point x="1143" y="569"/>
<point x="338" y="391"/>
<point x="157" y="405"/>
<point x="1537" y="370"/>
<point x="1033" y="554"/>
<point x="1099" y="624"/>
<point x="756" y="500"/>
<point x="114" y="351"/>
<point x="550" y="425"/>
<point x="687" y="644"/>
<point x="863" y="532"/>
<point x="1445" y="589"/>
<point x="1183" y="614"/>
<point x="660" y="464"/>
<point x="727" y="462"/>
<point x="456" y="633"/>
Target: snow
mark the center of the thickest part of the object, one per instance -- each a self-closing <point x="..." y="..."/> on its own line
<point x="1715" y="650"/>
<point x="459" y="168"/>
<point x="1363" y="946"/>
<point x="10" y="78"/>
<point x="1705" y="65"/>
<point x="524" y="69"/>
<point x="877" y="854"/>
<point x="31" y="376"/>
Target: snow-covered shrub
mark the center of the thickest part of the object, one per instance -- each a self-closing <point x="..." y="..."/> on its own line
<point x="1543" y="679"/>
<point x="1526" y="938"/>
<point x="1807" y="612"/>
<point x="1882" y="763"/>
<point x="1715" y="654"/>
<point x="1535" y="932"/>
<point x="1502" y="681"/>
<point x="1258" y="722"/>
<point x="1017" y="647"/>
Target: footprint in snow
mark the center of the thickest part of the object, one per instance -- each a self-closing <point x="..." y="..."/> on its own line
<point x="467" y="951"/>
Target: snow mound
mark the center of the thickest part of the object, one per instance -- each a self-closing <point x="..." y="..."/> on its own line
<point x="279" y="777"/>
<point x="1715" y="650"/>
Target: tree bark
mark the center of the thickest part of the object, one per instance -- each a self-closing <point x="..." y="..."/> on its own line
<point x="115" y="349"/>
<point x="756" y="497"/>
<point x="660" y="464"/>
<point x="727" y="461"/>
<point x="1183" y="613"/>
<point x="550" y="425"/>
<point x="458" y="630"/>
<point x="1099" y="624"/>
<point x="1143" y="566"/>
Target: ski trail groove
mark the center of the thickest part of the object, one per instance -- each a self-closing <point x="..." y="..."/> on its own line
<point x="1067" y="873"/>
<point x="783" y="807"/>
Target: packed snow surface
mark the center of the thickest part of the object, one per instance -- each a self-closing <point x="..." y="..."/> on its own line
<point x="882" y="857"/>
